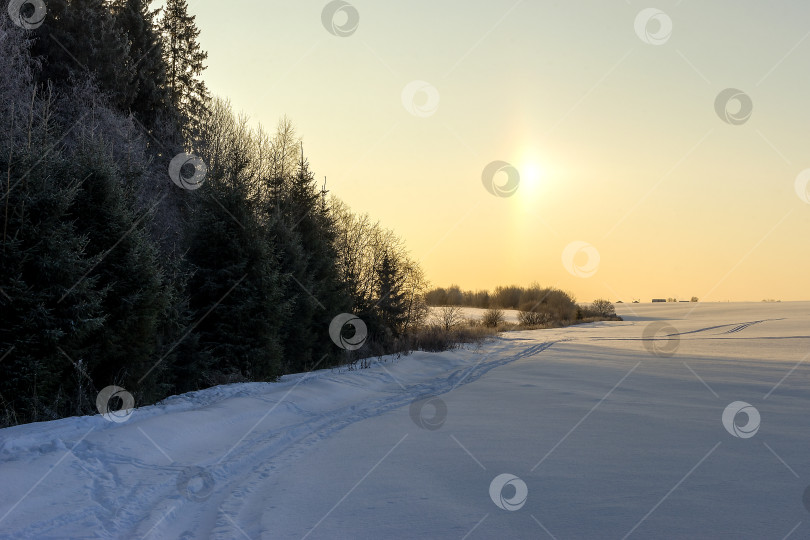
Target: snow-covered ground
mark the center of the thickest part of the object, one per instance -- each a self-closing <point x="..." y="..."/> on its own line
<point x="606" y="430"/>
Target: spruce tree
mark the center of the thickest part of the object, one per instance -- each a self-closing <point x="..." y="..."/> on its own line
<point x="317" y="231"/>
<point x="81" y="38"/>
<point x="392" y="306"/>
<point x="128" y="271"/>
<point x="296" y="333"/>
<point x="235" y="297"/>
<point x="151" y="102"/>
<point x="235" y="291"/>
<point x="50" y="305"/>
<point x="184" y="59"/>
<point x="303" y="234"/>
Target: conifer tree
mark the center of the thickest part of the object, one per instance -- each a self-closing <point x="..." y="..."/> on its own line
<point x="303" y="233"/>
<point x="49" y="304"/>
<point x="81" y="39"/>
<point x="392" y="306"/>
<point x="235" y="291"/>
<point x="128" y="272"/>
<point x="184" y="59"/>
<point x="317" y="232"/>
<point x="151" y="101"/>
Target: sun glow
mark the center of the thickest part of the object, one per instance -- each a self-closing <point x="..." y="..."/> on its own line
<point x="531" y="173"/>
<point x="533" y="176"/>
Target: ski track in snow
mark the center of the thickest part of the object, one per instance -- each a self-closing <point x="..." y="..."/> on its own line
<point x="124" y="501"/>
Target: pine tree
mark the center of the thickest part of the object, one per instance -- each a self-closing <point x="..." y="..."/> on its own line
<point x="184" y="59"/>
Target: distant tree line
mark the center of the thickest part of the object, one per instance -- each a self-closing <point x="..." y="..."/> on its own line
<point x="537" y="305"/>
<point x="111" y="274"/>
<point x="508" y="297"/>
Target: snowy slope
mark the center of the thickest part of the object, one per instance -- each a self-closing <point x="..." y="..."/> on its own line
<point x="615" y="430"/>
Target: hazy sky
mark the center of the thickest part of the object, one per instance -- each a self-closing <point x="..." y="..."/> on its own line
<point x="611" y="124"/>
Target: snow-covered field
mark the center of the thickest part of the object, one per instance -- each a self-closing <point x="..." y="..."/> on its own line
<point x="607" y="430"/>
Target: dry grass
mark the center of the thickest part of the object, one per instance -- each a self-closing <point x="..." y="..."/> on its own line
<point x="437" y="339"/>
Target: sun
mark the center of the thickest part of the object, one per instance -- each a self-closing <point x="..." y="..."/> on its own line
<point x="532" y="175"/>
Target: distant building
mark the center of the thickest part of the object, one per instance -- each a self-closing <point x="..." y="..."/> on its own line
<point x="659" y="299"/>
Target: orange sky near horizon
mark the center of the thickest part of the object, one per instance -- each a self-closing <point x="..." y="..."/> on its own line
<point x="638" y="176"/>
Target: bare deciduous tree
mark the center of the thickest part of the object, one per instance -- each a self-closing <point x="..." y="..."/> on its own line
<point x="604" y="308"/>
<point x="448" y="317"/>
<point x="362" y="244"/>
<point x="493" y="318"/>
